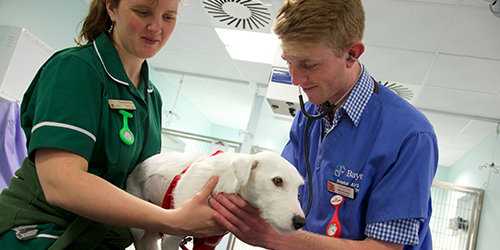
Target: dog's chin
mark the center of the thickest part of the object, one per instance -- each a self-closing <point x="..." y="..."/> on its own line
<point x="284" y="230"/>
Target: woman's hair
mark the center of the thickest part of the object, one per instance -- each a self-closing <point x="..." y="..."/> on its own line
<point x="97" y="21"/>
<point x="301" y="24"/>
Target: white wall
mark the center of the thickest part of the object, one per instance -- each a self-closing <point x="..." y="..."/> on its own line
<point x="466" y="172"/>
<point x="54" y="22"/>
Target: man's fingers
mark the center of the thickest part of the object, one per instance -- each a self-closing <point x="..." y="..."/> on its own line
<point x="220" y="219"/>
<point x="243" y="204"/>
<point x="228" y="213"/>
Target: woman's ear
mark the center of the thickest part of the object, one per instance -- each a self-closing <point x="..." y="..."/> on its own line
<point x="111" y="11"/>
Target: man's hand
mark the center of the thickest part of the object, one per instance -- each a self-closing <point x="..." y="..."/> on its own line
<point x="242" y="219"/>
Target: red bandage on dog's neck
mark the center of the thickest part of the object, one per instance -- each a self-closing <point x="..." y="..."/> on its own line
<point x="168" y="203"/>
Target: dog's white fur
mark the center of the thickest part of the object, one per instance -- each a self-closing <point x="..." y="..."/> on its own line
<point x="251" y="176"/>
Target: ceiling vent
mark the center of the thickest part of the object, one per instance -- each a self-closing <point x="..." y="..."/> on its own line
<point x="240" y="14"/>
<point x="400" y="90"/>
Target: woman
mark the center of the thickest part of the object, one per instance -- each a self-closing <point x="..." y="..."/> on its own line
<point x="90" y="116"/>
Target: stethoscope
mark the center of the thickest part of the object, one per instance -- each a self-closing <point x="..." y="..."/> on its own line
<point x="310" y="119"/>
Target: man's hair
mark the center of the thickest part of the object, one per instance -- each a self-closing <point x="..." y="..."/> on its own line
<point x="301" y="24"/>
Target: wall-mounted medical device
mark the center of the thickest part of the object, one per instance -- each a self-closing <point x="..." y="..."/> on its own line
<point x="281" y="94"/>
<point x="21" y="54"/>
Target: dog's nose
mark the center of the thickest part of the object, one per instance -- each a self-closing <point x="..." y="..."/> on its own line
<point x="298" y="222"/>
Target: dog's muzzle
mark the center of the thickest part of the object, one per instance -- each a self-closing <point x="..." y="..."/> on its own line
<point x="298" y="222"/>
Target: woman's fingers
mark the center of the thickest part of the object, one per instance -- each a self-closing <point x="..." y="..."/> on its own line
<point x="197" y="216"/>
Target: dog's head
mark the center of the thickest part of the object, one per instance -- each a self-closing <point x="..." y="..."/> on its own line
<point x="271" y="183"/>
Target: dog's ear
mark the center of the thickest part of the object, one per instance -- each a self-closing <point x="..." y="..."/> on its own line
<point x="242" y="167"/>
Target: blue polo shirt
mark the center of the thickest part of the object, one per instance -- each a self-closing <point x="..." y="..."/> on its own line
<point x="386" y="152"/>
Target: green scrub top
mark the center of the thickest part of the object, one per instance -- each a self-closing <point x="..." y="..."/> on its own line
<point x="67" y="106"/>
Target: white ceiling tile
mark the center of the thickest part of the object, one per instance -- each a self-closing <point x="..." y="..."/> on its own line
<point x="225" y="87"/>
<point x="478" y="3"/>
<point x="213" y="66"/>
<point x="466" y="142"/>
<point x="453" y="153"/>
<point x="194" y="83"/>
<point x="254" y="72"/>
<point x="446" y="162"/>
<point x="173" y="79"/>
<point x="213" y="111"/>
<point x="404" y="24"/>
<point x="202" y="97"/>
<point x="188" y="82"/>
<point x="171" y="60"/>
<point x="446" y="127"/>
<point x="466" y="73"/>
<point x="397" y="65"/>
<point x="187" y="37"/>
<point x="237" y="101"/>
<point x="472" y="35"/>
<point x="453" y="101"/>
<point x="192" y="12"/>
<point x="436" y="1"/>
<point x="479" y="128"/>
<point x="493" y="110"/>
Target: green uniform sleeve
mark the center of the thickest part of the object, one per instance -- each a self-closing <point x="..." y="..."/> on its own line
<point x="68" y="100"/>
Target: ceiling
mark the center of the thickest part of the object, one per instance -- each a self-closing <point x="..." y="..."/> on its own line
<point x="447" y="52"/>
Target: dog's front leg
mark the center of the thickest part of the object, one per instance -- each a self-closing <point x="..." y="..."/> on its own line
<point x="146" y="241"/>
<point x="171" y="242"/>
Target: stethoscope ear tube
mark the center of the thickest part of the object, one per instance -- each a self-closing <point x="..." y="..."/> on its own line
<point x="310" y="119"/>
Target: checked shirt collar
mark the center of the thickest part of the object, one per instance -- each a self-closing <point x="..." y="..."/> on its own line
<point x="353" y="107"/>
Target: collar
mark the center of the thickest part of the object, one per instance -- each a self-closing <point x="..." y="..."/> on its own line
<point x="355" y="103"/>
<point x="113" y="65"/>
<point x="168" y="203"/>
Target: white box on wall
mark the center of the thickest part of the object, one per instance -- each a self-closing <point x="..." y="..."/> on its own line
<point x="282" y="95"/>
<point x="21" y="55"/>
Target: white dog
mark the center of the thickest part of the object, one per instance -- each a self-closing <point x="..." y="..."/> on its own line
<point x="265" y="180"/>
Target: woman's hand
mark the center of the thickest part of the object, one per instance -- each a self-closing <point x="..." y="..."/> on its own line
<point x="196" y="217"/>
<point x="66" y="183"/>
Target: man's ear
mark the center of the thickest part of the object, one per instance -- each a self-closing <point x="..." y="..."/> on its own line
<point x="242" y="167"/>
<point x="355" y="50"/>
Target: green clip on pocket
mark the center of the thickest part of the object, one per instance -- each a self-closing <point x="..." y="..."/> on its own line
<point x="125" y="133"/>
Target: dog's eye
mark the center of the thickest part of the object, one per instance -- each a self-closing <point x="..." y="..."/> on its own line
<point x="278" y="181"/>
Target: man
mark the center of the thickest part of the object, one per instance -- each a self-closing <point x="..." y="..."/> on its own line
<point x="372" y="158"/>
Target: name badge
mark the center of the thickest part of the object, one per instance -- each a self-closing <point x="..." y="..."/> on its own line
<point x="340" y="189"/>
<point x="121" y="104"/>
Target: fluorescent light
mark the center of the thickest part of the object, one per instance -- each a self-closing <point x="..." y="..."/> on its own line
<point x="249" y="45"/>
